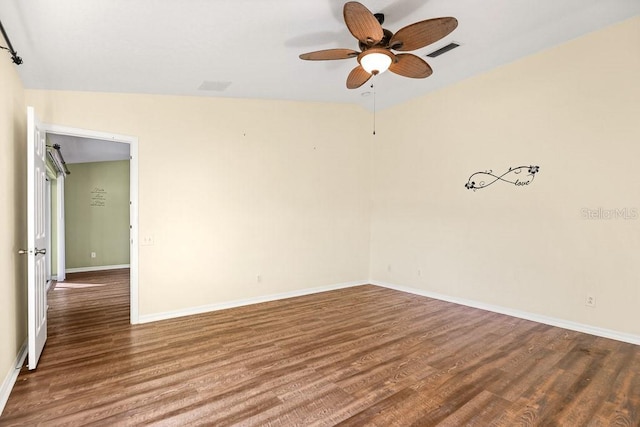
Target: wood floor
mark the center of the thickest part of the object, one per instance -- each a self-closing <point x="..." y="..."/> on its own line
<point x="359" y="356"/>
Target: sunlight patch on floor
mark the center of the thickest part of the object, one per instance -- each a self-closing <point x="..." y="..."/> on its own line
<point x="63" y="285"/>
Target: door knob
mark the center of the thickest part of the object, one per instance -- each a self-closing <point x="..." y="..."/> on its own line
<point x="23" y="252"/>
<point x="40" y="251"/>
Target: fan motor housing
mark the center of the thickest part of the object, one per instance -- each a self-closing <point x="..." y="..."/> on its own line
<point x="384" y="43"/>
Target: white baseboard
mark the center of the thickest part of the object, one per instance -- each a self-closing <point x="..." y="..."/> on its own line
<point x="561" y="323"/>
<point x="146" y="318"/>
<point x="96" y="268"/>
<point x="12" y="376"/>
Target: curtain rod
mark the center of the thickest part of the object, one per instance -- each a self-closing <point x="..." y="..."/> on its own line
<point x="14" y="55"/>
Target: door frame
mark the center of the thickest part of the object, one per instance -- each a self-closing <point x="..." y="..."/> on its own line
<point x="60" y="229"/>
<point x="56" y="218"/>
<point x="47" y="224"/>
<point x="133" y="200"/>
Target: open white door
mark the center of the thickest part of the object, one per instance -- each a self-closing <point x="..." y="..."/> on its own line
<point x="36" y="235"/>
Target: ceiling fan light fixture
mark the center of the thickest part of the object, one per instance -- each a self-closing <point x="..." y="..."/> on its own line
<point x="376" y="44"/>
<point x="376" y="61"/>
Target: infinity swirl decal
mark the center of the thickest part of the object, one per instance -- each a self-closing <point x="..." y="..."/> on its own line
<point x="512" y="176"/>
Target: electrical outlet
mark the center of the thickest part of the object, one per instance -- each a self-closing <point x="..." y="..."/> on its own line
<point x="93" y="254"/>
<point x="590" y="301"/>
<point x="147" y="241"/>
<point x="259" y="278"/>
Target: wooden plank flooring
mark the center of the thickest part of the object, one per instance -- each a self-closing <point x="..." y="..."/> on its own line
<point x="359" y="356"/>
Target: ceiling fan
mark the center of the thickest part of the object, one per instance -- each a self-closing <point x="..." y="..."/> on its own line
<point x="376" y="45"/>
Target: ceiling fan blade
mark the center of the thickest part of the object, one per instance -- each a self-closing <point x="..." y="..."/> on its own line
<point x="422" y="33"/>
<point x="357" y="77"/>
<point x="410" y="65"/>
<point x="329" y="54"/>
<point x="362" y="24"/>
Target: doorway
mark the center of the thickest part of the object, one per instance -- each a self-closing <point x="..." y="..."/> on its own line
<point x="55" y="131"/>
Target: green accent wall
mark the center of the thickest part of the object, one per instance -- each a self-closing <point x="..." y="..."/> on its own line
<point x="97" y="214"/>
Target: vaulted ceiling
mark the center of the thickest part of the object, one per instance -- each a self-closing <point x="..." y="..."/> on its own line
<point x="250" y="48"/>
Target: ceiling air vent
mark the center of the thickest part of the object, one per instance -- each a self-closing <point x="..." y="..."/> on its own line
<point x="214" y="86"/>
<point x="442" y="50"/>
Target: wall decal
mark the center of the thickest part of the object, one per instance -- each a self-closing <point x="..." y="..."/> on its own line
<point x="515" y="176"/>
<point x="98" y="197"/>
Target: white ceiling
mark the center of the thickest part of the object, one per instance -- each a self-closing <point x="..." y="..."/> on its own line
<point x="85" y="150"/>
<point x="250" y="48"/>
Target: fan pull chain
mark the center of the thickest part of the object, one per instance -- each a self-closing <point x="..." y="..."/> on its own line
<point x="374" y="108"/>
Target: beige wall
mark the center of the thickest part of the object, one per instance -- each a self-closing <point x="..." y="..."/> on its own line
<point x="96" y="206"/>
<point x="574" y="110"/>
<point x="13" y="316"/>
<point x="232" y="189"/>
